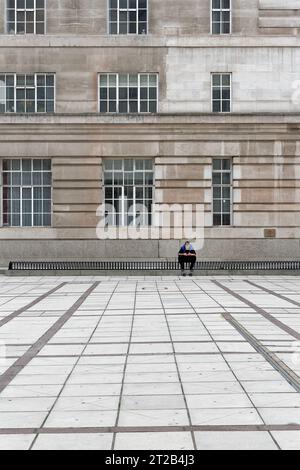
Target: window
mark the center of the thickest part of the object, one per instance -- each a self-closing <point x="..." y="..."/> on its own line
<point x="27" y="93"/>
<point x="222" y="190"/>
<point x="221" y="17"/>
<point x="128" y="16"/>
<point x="26" y="16"/>
<point x="125" y="93"/>
<point x="128" y="186"/>
<point x="26" y="193"/>
<point x="221" y="92"/>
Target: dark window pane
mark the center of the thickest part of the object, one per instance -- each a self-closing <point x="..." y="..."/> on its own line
<point x="123" y="107"/>
<point x="133" y="107"/>
<point x="50" y="80"/>
<point x="226" y="106"/>
<point x="226" y="164"/>
<point x="123" y="28"/>
<point x="112" y="107"/>
<point x="112" y="93"/>
<point x="40" y="28"/>
<point x="113" y="28"/>
<point x="217" y="164"/>
<point x="216" y="28"/>
<point x="152" y="94"/>
<point x="133" y="93"/>
<point x="216" y="192"/>
<point x="50" y="106"/>
<point x="226" y="94"/>
<point x="103" y="93"/>
<point x="216" y="178"/>
<point x="226" y="28"/>
<point x="143" y="93"/>
<point x="226" y="4"/>
<point x="143" y="16"/>
<point x="123" y="93"/>
<point x="132" y="28"/>
<point x="152" y="107"/>
<point x="216" y="106"/>
<point x="226" y="219"/>
<point x="216" y="93"/>
<point x="41" y="107"/>
<point x="142" y="28"/>
<point x="103" y="106"/>
<point x="143" y="107"/>
<point x="217" y="218"/>
<point x="217" y="206"/>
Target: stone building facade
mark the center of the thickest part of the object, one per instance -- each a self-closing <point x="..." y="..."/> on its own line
<point x="209" y="116"/>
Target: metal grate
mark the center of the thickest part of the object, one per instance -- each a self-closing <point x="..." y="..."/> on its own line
<point x="152" y="265"/>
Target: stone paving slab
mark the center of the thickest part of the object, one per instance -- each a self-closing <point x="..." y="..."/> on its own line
<point x="154" y="363"/>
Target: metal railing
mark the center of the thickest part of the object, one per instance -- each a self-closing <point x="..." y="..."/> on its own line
<point x="154" y="265"/>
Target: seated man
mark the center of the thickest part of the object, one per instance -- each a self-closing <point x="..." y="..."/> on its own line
<point x="187" y="254"/>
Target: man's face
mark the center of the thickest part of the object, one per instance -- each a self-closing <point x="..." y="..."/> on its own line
<point x="187" y="246"/>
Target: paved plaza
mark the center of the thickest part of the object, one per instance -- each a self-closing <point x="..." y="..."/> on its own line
<point x="150" y="363"/>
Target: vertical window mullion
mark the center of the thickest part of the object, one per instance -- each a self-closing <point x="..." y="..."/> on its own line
<point x="34" y="17"/>
<point x="117" y="92"/>
<point x="134" y="202"/>
<point x="139" y="93"/>
<point x="5" y="97"/>
<point x="118" y="17"/>
<point x="123" y="206"/>
<point x="35" y="92"/>
<point x="32" y="204"/>
<point x="15" y="92"/>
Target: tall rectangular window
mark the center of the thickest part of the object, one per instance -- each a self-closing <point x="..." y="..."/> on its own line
<point x="27" y="93"/>
<point x="128" y="16"/>
<point x="26" y="193"/>
<point x="126" y="93"/>
<point x="222" y="191"/>
<point x="25" y="16"/>
<point x="221" y="92"/>
<point x="128" y="186"/>
<point x="221" y="17"/>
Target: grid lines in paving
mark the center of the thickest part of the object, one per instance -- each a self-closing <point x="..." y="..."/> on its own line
<point x="149" y="363"/>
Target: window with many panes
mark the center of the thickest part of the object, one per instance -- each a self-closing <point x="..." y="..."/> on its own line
<point x="222" y="191"/>
<point x="128" y="16"/>
<point x="221" y="17"/>
<point x="27" y="93"/>
<point x="128" y="93"/>
<point x="128" y="187"/>
<point x="26" y="192"/>
<point x="221" y="92"/>
<point x="25" y="16"/>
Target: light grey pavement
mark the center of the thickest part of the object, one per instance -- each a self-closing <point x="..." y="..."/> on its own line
<point x="150" y="363"/>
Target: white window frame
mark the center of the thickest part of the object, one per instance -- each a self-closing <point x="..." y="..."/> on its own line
<point x="22" y="187"/>
<point x="16" y="10"/>
<point x="118" y="21"/>
<point x="123" y="199"/>
<point x="211" y="91"/>
<point x="221" y="186"/>
<point x="220" y="10"/>
<point x="34" y="87"/>
<point x="139" y="75"/>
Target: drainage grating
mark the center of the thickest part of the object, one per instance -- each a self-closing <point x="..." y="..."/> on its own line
<point x="152" y="265"/>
